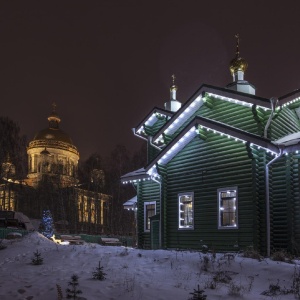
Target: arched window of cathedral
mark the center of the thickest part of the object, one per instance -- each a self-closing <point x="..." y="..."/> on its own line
<point x="34" y="163"/>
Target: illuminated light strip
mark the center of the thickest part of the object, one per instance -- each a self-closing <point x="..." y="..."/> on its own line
<point x="292" y="101"/>
<point x="141" y="129"/>
<point x="135" y="180"/>
<point x="189" y="109"/>
<point x="221" y="133"/>
<point x="150" y="122"/>
<point x="170" y="151"/>
<point x="150" y="119"/>
<point x="236" y="139"/>
<point x="266" y="149"/>
<point x="240" y="102"/>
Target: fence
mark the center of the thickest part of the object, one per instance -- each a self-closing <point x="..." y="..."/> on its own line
<point x="125" y="240"/>
<point x="5" y="231"/>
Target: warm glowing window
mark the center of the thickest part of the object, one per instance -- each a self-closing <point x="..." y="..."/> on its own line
<point x="227" y="203"/>
<point x="186" y="211"/>
<point x="149" y="211"/>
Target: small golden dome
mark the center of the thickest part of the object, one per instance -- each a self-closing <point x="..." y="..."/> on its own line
<point x="173" y="87"/>
<point x="238" y="63"/>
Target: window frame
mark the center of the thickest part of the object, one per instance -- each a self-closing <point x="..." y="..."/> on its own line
<point x="145" y="214"/>
<point x="191" y="227"/>
<point x="219" y="199"/>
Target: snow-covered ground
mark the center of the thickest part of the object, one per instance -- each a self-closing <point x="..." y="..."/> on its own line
<point x="136" y="274"/>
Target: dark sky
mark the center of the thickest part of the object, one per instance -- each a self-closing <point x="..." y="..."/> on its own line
<point x="106" y="64"/>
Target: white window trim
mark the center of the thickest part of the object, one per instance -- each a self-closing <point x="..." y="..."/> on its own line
<point x="178" y="204"/>
<point x="145" y="221"/>
<point x="235" y="188"/>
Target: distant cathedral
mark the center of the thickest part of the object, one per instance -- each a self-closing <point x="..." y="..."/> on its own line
<point x="52" y="153"/>
<point x="52" y="183"/>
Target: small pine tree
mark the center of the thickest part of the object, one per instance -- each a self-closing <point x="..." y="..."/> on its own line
<point x="47" y="224"/>
<point x="73" y="291"/>
<point x="198" y="295"/>
<point x="99" y="274"/>
<point x="37" y="258"/>
<point x="59" y="292"/>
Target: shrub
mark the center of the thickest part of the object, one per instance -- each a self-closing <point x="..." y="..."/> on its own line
<point x="198" y="295"/>
<point x="37" y="258"/>
<point x="98" y="273"/>
<point x="250" y="252"/>
<point x="281" y="255"/>
<point x="73" y="291"/>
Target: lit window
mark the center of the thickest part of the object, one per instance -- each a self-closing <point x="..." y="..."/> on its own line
<point x="186" y="211"/>
<point x="149" y="211"/>
<point x="227" y="203"/>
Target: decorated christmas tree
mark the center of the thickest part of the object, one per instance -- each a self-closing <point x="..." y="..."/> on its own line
<point x="47" y="224"/>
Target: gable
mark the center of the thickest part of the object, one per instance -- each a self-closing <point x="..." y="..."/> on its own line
<point x="154" y="120"/>
<point x="213" y="102"/>
<point x="202" y="126"/>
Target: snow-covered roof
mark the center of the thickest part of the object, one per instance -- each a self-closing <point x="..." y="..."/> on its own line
<point x="136" y="175"/>
<point x="191" y="130"/>
<point x="289" y="98"/>
<point x="187" y="134"/>
<point x="291" y="139"/>
<point x="151" y="118"/>
<point x="197" y="100"/>
<point x="131" y="203"/>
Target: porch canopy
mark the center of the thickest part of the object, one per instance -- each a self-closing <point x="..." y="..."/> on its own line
<point x="130" y="204"/>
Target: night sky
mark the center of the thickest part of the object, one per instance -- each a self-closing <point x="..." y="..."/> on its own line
<point x="106" y="64"/>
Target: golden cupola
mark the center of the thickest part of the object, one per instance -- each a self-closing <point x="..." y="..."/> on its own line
<point x="238" y="67"/>
<point x="238" y="63"/>
<point x="173" y="104"/>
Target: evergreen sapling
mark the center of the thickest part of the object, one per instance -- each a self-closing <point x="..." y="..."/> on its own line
<point x="59" y="292"/>
<point x="198" y="295"/>
<point x="73" y="291"/>
<point x="37" y="259"/>
<point x="99" y="274"/>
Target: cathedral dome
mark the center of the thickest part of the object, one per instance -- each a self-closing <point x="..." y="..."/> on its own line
<point x="53" y="137"/>
<point x="53" y="134"/>
<point x="52" y="153"/>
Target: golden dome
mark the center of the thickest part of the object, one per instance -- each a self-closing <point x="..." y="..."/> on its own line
<point x="238" y="63"/>
<point x="173" y="87"/>
<point x="53" y="134"/>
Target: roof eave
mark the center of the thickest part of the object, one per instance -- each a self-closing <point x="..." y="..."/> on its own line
<point x="222" y="92"/>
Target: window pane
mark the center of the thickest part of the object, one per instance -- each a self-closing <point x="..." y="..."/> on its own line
<point x="149" y="211"/>
<point x="186" y="211"/>
<point x="227" y="208"/>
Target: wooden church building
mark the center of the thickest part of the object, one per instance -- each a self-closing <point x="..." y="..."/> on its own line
<point x="222" y="172"/>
